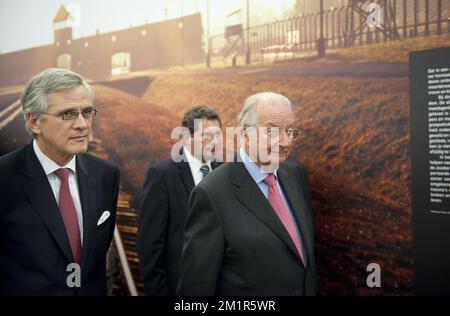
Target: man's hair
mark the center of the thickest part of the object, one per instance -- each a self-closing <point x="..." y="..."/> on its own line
<point x="247" y="116"/>
<point x="34" y="95"/>
<point x="199" y="112"/>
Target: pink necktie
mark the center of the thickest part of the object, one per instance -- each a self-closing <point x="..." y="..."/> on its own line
<point x="69" y="213"/>
<point x="277" y="203"/>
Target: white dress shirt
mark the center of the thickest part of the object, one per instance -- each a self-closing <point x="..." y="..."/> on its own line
<point x="195" y="166"/>
<point x="50" y="167"/>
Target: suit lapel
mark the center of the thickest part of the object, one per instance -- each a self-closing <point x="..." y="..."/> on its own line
<point x="248" y="193"/>
<point x="185" y="173"/>
<point x="41" y="196"/>
<point x="215" y="164"/>
<point x="298" y="206"/>
<point x="87" y="187"/>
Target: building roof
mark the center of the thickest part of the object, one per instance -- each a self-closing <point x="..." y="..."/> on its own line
<point x="62" y="15"/>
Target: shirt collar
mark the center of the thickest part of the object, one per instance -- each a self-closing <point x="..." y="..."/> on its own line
<point x="255" y="171"/>
<point x="49" y="165"/>
<point x="194" y="161"/>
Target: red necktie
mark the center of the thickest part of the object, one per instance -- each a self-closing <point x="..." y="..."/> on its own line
<point x="277" y="203"/>
<point x="69" y="213"/>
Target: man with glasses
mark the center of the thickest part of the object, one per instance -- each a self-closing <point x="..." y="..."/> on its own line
<point x="164" y="199"/>
<point x="249" y="229"/>
<point x="58" y="204"/>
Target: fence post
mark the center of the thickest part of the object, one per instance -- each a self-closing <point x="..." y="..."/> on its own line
<point x="346" y="23"/>
<point x="327" y="37"/>
<point x="315" y="30"/>
<point x="333" y="12"/>
<point x="281" y="32"/>
<point x="405" y="32"/>
<point x="293" y="33"/>
<point x="260" y="37"/>
<point x="361" y="34"/>
<point x="377" y="35"/>
<point x="275" y="33"/>
<point x="416" y="4"/>
<point x="352" y="28"/>
<point x="385" y="21"/>
<point x="305" y="31"/>
<point x="339" y="30"/>
<point x="279" y="35"/>
<point x="285" y="30"/>
<point x="394" y="18"/>
<point x="272" y="33"/>
<point x="301" y="31"/>
<point x="439" y="17"/>
<point x="256" y="41"/>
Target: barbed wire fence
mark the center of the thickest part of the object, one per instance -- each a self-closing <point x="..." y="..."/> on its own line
<point x="343" y="27"/>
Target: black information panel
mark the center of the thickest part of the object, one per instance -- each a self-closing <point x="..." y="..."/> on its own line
<point x="430" y="151"/>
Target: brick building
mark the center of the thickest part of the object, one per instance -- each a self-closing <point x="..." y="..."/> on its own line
<point x="150" y="46"/>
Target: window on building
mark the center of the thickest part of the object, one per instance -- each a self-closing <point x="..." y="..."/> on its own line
<point x="120" y="63"/>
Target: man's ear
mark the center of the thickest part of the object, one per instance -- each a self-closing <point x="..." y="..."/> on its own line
<point x="34" y="123"/>
<point x="243" y="131"/>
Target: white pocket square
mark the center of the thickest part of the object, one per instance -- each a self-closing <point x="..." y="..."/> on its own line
<point x="103" y="218"/>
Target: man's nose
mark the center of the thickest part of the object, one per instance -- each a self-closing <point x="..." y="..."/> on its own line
<point x="80" y="122"/>
<point x="284" y="139"/>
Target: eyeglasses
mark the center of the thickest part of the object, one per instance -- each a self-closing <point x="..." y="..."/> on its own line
<point x="292" y="133"/>
<point x="210" y="137"/>
<point x="274" y="132"/>
<point x="73" y="115"/>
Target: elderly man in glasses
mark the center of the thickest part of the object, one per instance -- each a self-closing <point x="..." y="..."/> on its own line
<point x="249" y="229"/>
<point x="58" y="204"/>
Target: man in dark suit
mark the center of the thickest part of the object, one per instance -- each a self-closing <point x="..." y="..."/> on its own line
<point x="250" y="229"/>
<point x="58" y="204"/>
<point x="164" y="200"/>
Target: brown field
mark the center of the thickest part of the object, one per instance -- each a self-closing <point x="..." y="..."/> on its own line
<point x="136" y="134"/>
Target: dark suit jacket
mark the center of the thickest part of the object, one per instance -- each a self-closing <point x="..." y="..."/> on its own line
<point x="235" y="244"/>
<point x="34" y="247"/>
<point x="163" y="210"/>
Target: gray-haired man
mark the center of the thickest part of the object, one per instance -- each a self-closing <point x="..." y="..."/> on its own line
<point x="58" y="206"/>
<point x="249" y="228"/>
